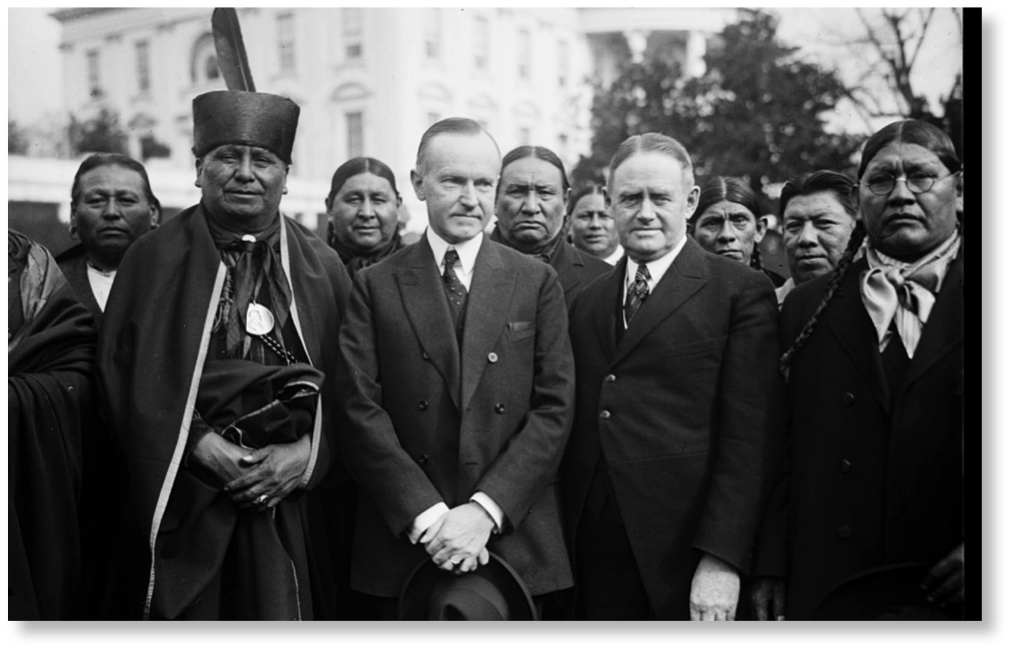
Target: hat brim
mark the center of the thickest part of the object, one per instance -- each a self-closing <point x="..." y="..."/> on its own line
<point x="885" y="593"/>
<point x="412" y="601"/>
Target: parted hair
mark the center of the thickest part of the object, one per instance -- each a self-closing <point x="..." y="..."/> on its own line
<point x="535" y="152"/>
<point x="652" y="142"/>
<point x="357" y="166"/>
<point x="455" y="125"/>
<point x="112" y="159"/>
<point x="719" y="189"/>
<point x="914" y="132"/>
<point x="583" y="191"/>
<point x="821" y="181"/>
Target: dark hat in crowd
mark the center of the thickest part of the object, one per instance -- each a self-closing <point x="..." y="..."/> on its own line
<point x="244" y="118"/>
<point x="887" y="593"/>
<point x="493" y="592"/>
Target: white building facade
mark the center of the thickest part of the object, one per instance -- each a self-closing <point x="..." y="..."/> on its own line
<point x="368" y="81"/>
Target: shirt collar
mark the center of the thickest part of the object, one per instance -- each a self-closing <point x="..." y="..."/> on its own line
<point x="657" y="267"/>
<point x="467" y="251"/>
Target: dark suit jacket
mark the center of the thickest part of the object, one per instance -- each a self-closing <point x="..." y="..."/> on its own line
<point x="678" y="409"/>
<point x="870" y="479"/>
<point x="74" y="265"/>
<point x="426" y="421"/>
<point x="576" y="270"/>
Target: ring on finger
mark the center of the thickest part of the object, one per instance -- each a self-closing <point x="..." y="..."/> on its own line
<point x="261" y="499"/>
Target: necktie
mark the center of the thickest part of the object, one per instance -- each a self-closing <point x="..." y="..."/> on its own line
<point x="637" y="292"/>
<point x="455" y="289"/>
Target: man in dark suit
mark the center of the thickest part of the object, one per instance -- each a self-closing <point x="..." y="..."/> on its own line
<point x="665" y="471"/>
<point x="459" y="389"/>
<point x="531" y="215"/>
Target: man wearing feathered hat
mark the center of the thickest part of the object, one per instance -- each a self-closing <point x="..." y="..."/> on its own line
<point x="216" y="370"/>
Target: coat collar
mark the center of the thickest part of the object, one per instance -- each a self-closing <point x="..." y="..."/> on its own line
<point x="423" y="296"/>
<point x="681" y="281"/>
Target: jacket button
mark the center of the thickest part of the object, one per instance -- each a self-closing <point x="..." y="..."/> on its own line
<point x="423" y="405"/>
<point x="500" y="408"/>
<point x="492" y="357"/>
<point x="848" y="399"/>
<point x="423" y="459"/>
<point x="611" y="378"/>
<point x="605" y="414"/>
<point x="845" y="466"/>
<point x="844" y="532"/>
<point x="425" y="356"/>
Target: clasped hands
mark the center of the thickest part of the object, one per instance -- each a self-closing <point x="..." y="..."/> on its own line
<point x="456" y="540"/>
<point x="255" y="479"/>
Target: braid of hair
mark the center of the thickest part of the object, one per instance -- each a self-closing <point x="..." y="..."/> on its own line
<point x="755" y="260"/>
<point x="837" y="276"/>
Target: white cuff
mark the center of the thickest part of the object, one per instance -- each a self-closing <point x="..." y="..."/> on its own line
<point x="484" y="500"/>
<point x="425" y="520"/>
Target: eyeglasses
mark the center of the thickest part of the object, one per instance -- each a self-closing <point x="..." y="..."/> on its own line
<point x="917" y="183"/>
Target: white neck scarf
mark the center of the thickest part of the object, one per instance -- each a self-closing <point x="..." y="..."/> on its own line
<point x="904" y="293"/>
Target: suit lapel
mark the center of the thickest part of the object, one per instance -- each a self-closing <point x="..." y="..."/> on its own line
<point x="681" y="281"/>
<point x="485" y="315"/>
<point x="606" y="307"/>
<point x="564" y="263"/>
<point x="944" y="330"/>
<point x="850" y="323"/>
<point x="425" y="302"/>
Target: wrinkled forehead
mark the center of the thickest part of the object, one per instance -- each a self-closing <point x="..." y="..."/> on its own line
<point x="472" y="154"/>
<point x="241" y="148"/>
<point x="650" y="171"/>
<point x="815" y="204"/>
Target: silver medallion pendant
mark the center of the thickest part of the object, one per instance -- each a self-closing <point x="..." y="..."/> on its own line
<point x="259" y="320"/>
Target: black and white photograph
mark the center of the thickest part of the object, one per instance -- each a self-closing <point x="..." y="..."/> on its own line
<point x="477" y="313"/>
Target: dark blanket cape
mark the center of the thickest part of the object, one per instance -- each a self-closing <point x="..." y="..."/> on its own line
<point x="151" y="365"/>
<point x="49" y="378"/>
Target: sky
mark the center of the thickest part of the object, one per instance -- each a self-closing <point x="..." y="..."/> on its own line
<point x="36" y="90"/>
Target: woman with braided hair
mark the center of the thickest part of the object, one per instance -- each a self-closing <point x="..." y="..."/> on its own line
<point x="870" y="503"/>
<point x="729" y="222"/>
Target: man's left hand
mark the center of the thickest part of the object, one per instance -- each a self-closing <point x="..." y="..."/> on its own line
<point x="715" y="591"/>
<point x="459" y="537"/>
<point x="276" y="470"/>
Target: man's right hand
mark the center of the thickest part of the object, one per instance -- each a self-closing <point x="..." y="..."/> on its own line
<point x="219" y="457"/>
<point x="766" y="594"/>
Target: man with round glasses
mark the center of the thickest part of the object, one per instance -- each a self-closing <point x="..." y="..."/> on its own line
<point x="871" y="497"/>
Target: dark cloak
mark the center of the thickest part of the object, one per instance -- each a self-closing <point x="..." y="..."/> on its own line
<point x="49" y="378"/>
<point x="151" y="359"/>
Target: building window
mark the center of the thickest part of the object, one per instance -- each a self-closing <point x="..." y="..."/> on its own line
<point x="352" y="32"/>
<point x="356" y="140"/>
<point x="205" y="61"/>
<point x="432" y="34"/>
<point x="481" y="43"/>
<point x="143" y="66"/>
<point x="563" y="54"/>
<point x="94" y="82"/>
<point x="524" y="54"/>
<point x="564" y="143"/>
<point x="286" y="43"/>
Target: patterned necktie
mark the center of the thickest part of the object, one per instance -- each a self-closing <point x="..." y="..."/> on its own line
<point x="455" y="289"/>
<point x="637" y="292"/>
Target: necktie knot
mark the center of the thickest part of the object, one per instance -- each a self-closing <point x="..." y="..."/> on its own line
<point x="637" y="292"/>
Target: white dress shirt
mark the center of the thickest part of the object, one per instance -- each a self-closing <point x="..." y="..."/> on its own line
<point x="657" y="269"/>
<point x="467" y="252"/>
<point x="614" y="257"/>
<point x="101" y="283"/>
